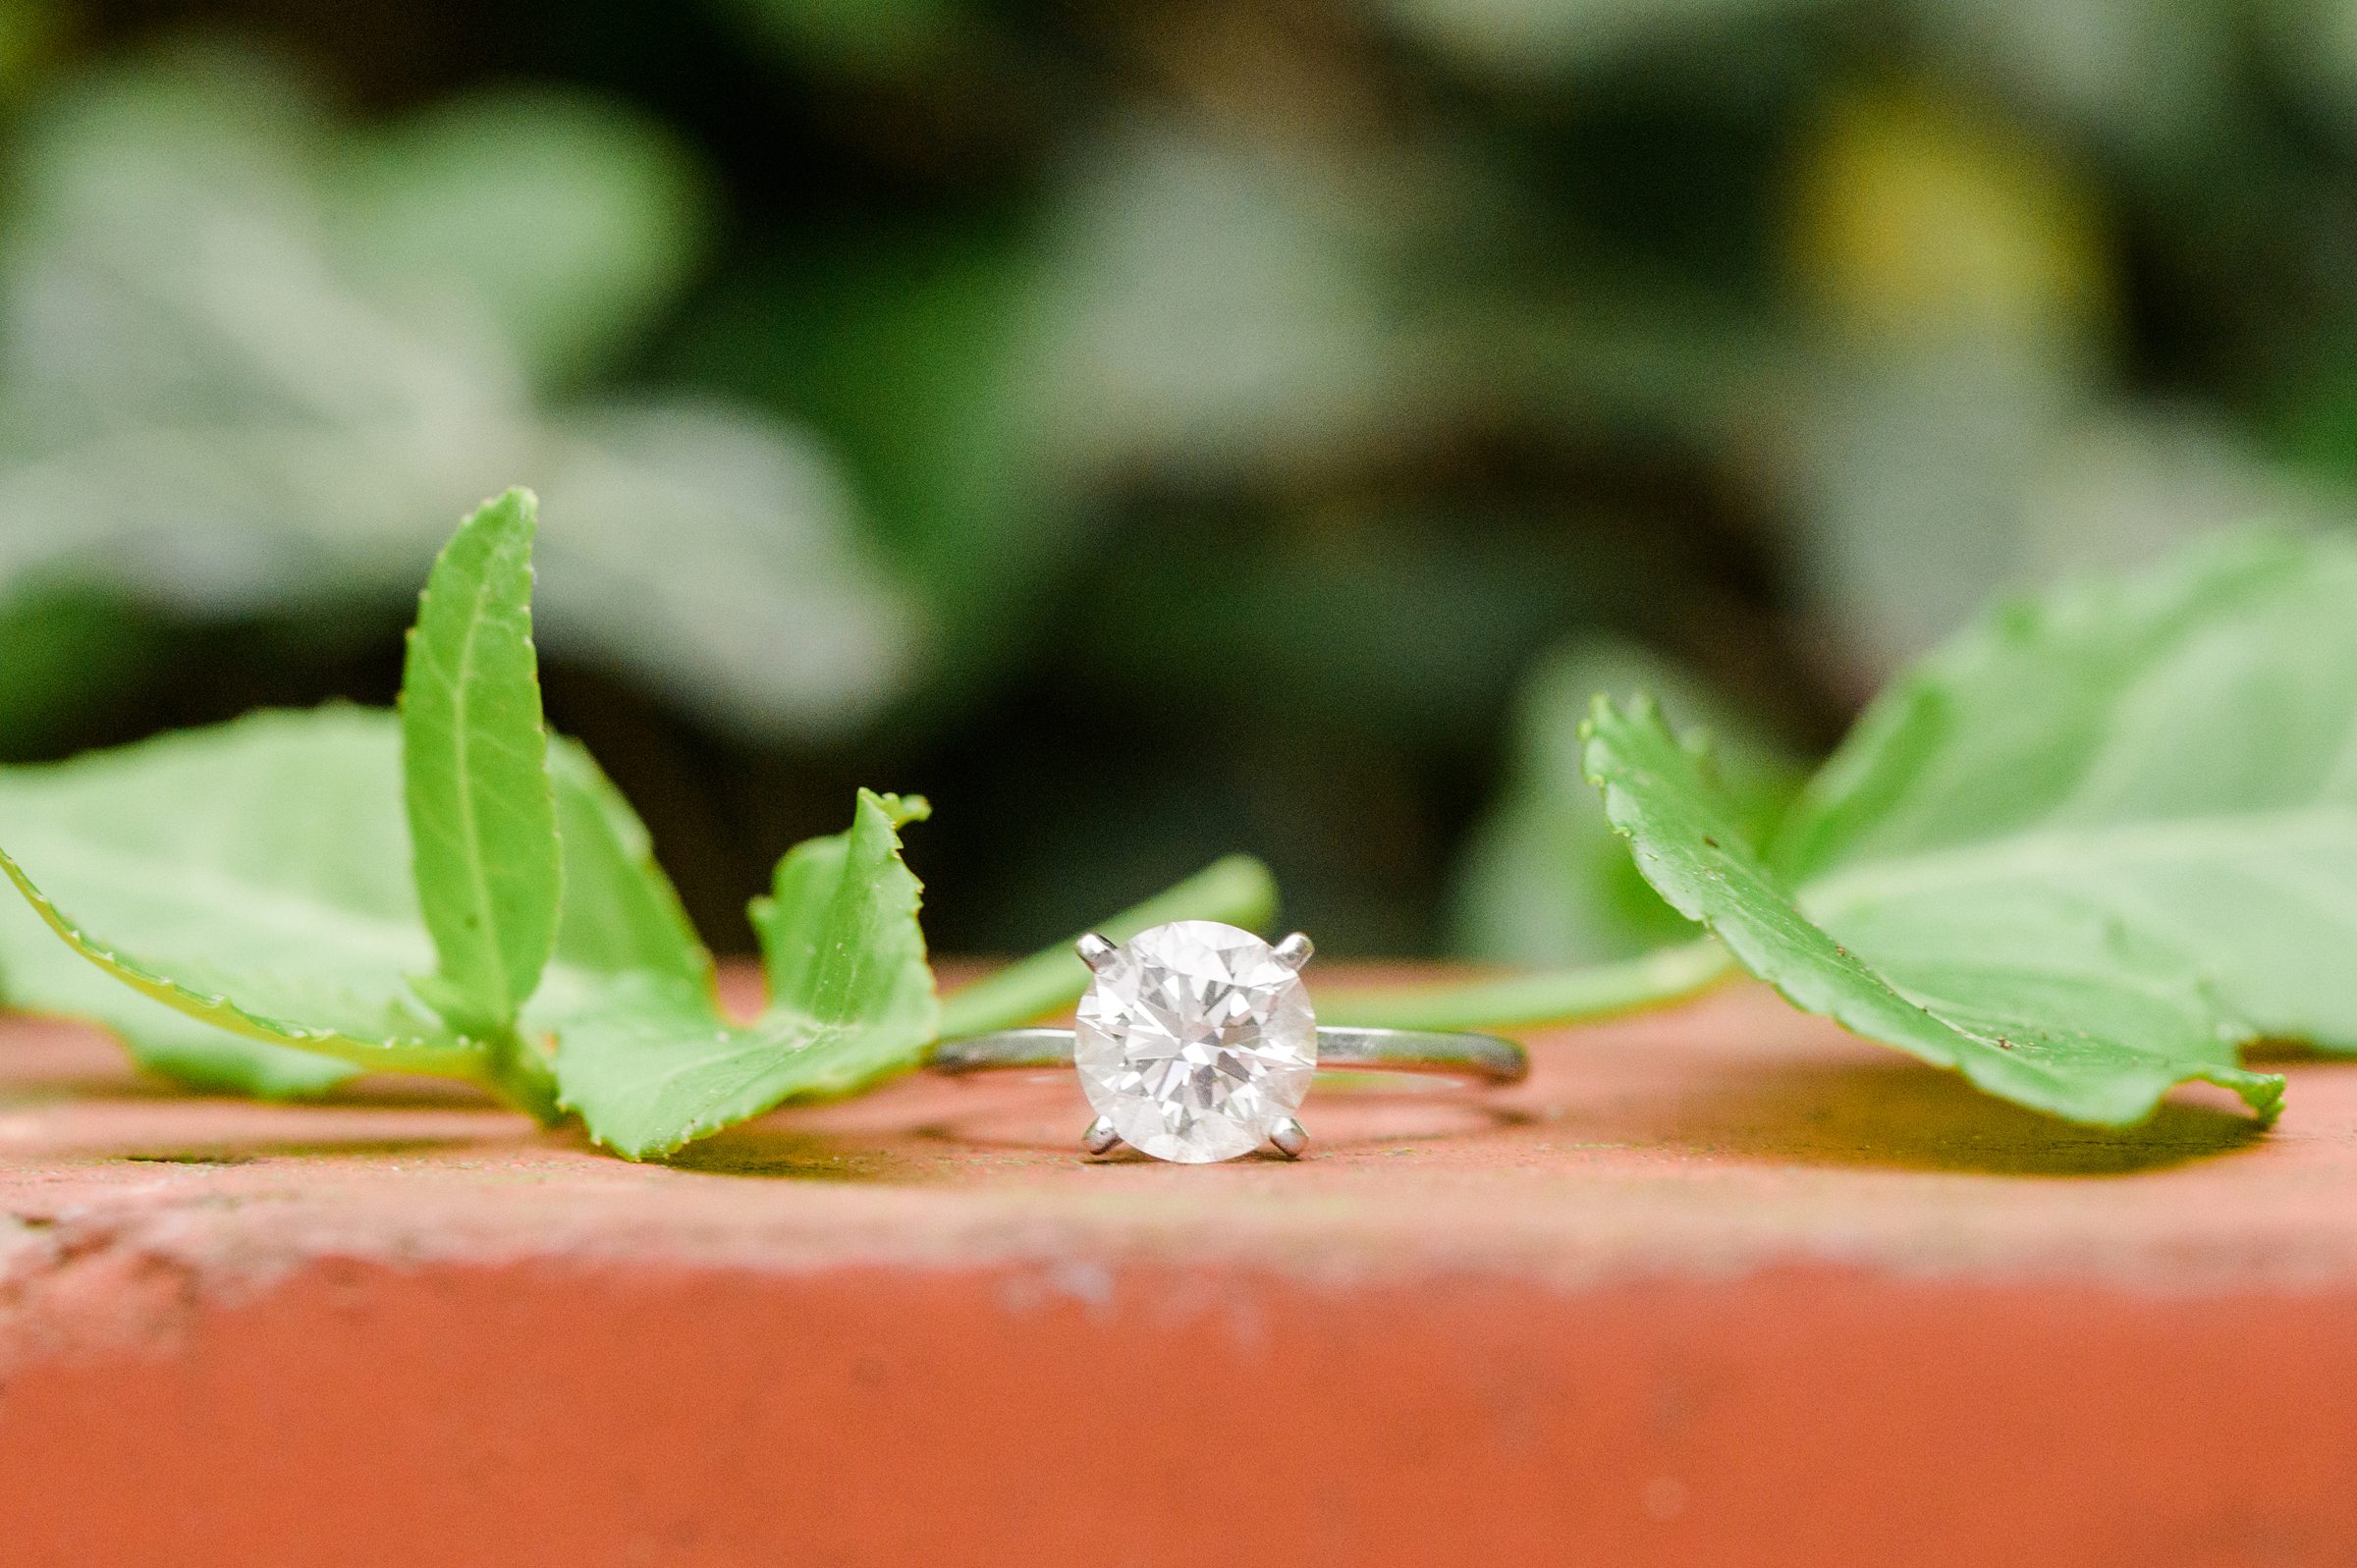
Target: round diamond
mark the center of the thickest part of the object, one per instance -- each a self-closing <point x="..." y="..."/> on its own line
<point x="1195" y="1039"/>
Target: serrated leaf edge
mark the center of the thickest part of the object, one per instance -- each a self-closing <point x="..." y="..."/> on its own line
<point x="2263" y="1093"/>
<point x="458" y="1058"/>
<point x="699" y="1013"/>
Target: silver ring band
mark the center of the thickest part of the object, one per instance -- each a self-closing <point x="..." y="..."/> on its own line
<point x="1449" y="1054"/>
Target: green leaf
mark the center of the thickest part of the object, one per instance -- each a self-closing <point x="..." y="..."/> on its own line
<point x="40" y="974"/>
<point x="800" y="922"/>
<point x="650" y="1064"/>
<point x="2029" y="992"/>
<point x="2080" y="853"/>
<point x="474" y="761"/>
<point x="2176" y="753"/>
<point x="252" y="877"/>
<point x="386" y="1035"/>
<point x="620" y="911"/>
<point x="265" y="862"/>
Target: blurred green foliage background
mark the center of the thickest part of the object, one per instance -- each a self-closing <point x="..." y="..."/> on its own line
<point x="1151" y="429"/>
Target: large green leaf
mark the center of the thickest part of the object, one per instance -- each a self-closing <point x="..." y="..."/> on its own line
<point x="2028" y="991"/>
<point x="266" y="862"/>
<point x="43" y="975"/>
<point x="241" y="876"/>
<point x="2179" y="750"/>
<point x="650" y="1064"/>
<point x="2126" y="796"/>
<point x="481" y="810"/>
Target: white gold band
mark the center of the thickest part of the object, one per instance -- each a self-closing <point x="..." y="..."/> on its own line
<point x="1449" y="1053"/>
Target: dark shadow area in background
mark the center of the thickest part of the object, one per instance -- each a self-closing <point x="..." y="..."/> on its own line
<point x="1127" y="737"/>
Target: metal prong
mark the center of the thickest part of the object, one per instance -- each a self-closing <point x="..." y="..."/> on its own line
<point x="1100" y="1137"/>
<point x="1294" y="950"/>
<point x="1289" y="1137"/>
<point x="1093" y="949"/>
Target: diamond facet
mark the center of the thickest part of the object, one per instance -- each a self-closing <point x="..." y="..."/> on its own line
<point x="1196" y="1039"/>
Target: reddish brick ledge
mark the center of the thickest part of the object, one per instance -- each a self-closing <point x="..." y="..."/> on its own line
<point x="1723" y="1286"/>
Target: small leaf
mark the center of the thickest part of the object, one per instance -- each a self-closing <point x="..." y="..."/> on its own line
<point x="802" y="920"/>
<point x="265" y="863"/>
<point x="474" y="761"/>
<point x="650" y="1063"/>
<point x="2030" y="994"/>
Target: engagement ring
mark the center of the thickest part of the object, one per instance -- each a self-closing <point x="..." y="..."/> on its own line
<point x="1195" y="1042"/>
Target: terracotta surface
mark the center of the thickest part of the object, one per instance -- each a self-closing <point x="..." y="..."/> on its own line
<point x="1716" y="1286"/>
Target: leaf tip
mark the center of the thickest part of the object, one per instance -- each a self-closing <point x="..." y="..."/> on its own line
<point x="507" y="520"/>
<point x="518" y="501"/>
<point x="2262" y="1092"/>
<point x="900" y="810"/>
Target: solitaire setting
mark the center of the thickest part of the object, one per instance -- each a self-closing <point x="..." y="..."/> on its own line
<point x="1195" y="1039"/>
<point x="1195" y="1042"/>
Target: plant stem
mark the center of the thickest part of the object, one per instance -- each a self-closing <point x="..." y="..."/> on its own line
<point x="1238" y="889"/>
<point x="1548" y="996"/>
<point x="523" y="1077"/>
